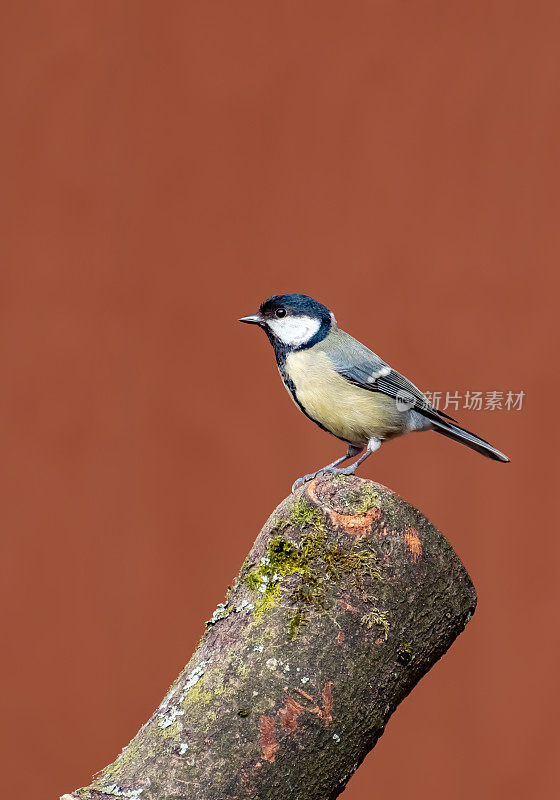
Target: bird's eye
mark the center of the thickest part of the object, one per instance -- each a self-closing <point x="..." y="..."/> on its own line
<point x="280" y="312"/>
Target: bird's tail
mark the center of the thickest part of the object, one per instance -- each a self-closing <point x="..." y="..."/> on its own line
<point x="470" y="439"/>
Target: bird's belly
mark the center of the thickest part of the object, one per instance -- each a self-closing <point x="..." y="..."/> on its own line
<point x="347" y="411"/>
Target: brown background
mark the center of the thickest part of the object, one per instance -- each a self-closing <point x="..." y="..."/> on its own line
<point x="166" y="167"/>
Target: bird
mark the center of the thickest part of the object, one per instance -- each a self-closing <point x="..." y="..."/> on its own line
<point x="345" y="388"/>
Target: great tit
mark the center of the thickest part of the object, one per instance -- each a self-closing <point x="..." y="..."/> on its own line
<point x="346" y="389"/>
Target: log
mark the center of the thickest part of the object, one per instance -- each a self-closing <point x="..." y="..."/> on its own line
<point x="347" y="598"/>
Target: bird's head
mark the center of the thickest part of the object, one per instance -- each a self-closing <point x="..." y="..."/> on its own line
<point x="293" y="321"/>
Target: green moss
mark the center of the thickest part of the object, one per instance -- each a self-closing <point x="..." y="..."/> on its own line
<point x="376" y="617"/>
<point x="363" y="500"/>
<point x="313" y="544"/>
<point x="319" y="563"/>
<point x="303" y="514"/>
<point x="360" y="500"/>
<point x="297" y="618"/>
<point x="404" y="654"/>
<point x="212" y="716"/>
<point x="268" y="600"/>
<point x="284" y="556"/>
<point x="311" y="592"/>
<point x="253" y="579"/>
<point x="359" y="563"/>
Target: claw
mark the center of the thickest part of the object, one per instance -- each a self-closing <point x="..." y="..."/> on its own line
<point x="303" y="479"/>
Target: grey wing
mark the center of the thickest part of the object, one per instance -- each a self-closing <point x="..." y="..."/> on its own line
<point x="360" y="366"/>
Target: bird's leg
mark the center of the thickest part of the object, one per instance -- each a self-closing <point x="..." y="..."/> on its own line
<point x="372" y="446"/>
<point x="351" y="452"/>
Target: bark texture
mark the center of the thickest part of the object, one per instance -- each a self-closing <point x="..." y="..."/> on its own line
<point x="347" y="598"/>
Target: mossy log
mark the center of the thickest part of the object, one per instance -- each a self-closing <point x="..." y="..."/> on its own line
<point x="347" y="598"/>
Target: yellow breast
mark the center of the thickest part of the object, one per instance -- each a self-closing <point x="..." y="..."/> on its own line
<point x="347" y="411"/>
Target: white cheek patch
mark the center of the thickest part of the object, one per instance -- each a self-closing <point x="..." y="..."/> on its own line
<point x="294" y="331"/>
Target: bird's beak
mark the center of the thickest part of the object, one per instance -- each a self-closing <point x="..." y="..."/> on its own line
<point x="253" y="319"/>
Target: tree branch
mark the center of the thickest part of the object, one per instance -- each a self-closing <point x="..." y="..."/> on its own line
<point x="347" y="598"/>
